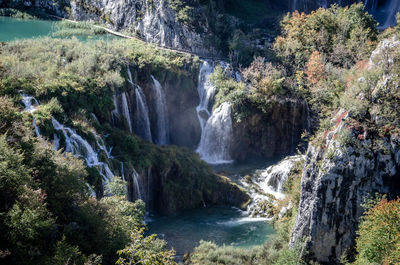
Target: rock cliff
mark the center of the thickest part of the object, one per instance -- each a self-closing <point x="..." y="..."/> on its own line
<point x="275" y="134"/>
<point x="338" y="176"/>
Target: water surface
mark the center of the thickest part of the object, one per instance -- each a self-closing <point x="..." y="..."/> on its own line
<point x="221" y="225"/>
<point x="15" y="29"/>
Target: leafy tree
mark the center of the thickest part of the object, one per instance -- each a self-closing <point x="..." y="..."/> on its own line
<point x="145" y="251"/>
<point x="343" y="35"/>
<point x="378" y="240"/>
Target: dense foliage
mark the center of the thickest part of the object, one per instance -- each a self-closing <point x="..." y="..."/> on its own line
<point x="46" y="215"/>
<point x="378" y="239"/>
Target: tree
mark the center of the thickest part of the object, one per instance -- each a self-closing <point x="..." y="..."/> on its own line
<point x="378" y="240"/>
<point x="145" y="251"/>
<point x="315" y="68"/>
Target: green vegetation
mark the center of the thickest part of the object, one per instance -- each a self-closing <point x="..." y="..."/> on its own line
<point x="343" y="35"/>
<point x="378" y="240"/>
<point x="15" y="13"/>
<point x="47" y="216"/>
<point x="67" y="28"/>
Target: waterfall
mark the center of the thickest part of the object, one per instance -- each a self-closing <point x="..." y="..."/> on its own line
<point x="269" y="181"/>
<point x="390" y="10"/>
<point x="115" y="112"/>
<point x="56" y="142"/>
<point x="215" y="141"/>
<point x="27" y="101"/>
<point x="137" y="192"/>
<point x="100" y="143"/>
<point x="162" y="136"/>
<point x="79" y="147"/>
<point x="125" y="110"/>
<point x="31" y="108"/>
<point x="142" y="121"/>
<point x="205" y="90"/>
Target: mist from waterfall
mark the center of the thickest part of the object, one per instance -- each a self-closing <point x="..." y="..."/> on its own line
<point x="162" y="127"/>
<point x="142" y="120"/>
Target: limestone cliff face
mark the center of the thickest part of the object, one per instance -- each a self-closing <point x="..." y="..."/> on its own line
<point x="154" y="21"/>
<point x="337" y="177"/>
<point x="275" y="134"/>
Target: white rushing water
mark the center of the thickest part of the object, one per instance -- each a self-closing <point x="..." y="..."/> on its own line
<point x="216" y="128"/>
<point x="214" y="147"/>
<point x="162" y="127"/>
<point x="138" y="194"/>
<point x="31" y="105"/>
<point x="206" y="91"/>
<point x="125" y="110"/>
<point x="271" y="182"/>
<point x="79" y="147"/>
<point x="142" y="120"/>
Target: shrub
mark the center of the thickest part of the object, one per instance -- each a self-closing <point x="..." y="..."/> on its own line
<point x="378" y="240"/>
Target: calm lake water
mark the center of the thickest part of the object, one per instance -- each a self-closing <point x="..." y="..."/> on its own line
<point x="15" y="29"/>
<point x="222" y="225"/>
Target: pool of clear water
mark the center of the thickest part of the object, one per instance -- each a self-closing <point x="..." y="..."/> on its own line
<point x="221" y="225"/>
<point x="15" y="29"/>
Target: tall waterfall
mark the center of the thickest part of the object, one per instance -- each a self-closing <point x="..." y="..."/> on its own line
<point x="125" y="110"/>
<point x="162" y="132"/>
<point x="216" y="130"/>
<point x="137" y="192"/>
<point x="205" y="90"/>
<point x="215" y="141"/>
<point x="142" y="121"/>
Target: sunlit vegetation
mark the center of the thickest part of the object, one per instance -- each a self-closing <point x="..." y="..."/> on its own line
<point x="378" y="240"/>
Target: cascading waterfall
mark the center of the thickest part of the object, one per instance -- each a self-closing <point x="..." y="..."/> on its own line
<point x="271" y="182"/>
<point x="56" y="142"/>
<point x="115" y="112"/>
<point x="206" y="91"/>
<point x="138" y="194"/>
<point x="215" y="141"/>
<point x="142" y="120"/>
<point x="216" y="130"/>
<point x="31" y="108"/>
<point x="125" y="110"/>
<point x="162" y="136"/>
<point x="79" y="147"/>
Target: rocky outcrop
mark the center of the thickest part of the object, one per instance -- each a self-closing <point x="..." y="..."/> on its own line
<point x="338" y="176"/>
<point x="275" y="134"/>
